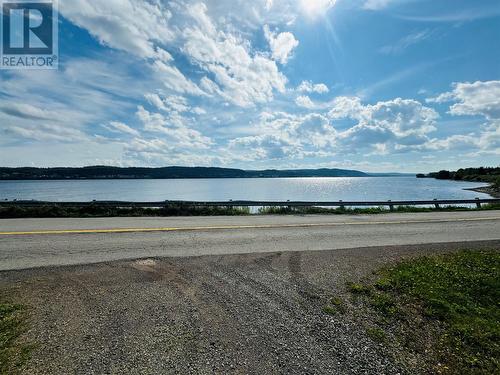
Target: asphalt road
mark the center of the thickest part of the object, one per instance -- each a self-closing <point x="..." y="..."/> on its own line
<point x="28" y="243"/>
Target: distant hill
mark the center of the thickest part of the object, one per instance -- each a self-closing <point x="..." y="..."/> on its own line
<point x="104" y="172"/>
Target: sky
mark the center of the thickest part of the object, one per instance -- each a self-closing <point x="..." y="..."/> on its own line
<point x="374" y="85"/>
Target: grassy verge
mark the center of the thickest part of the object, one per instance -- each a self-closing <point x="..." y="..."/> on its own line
<point x="444" y="307"/>
<point x="12" y="324"/>
<point x="367" y="210"/>
<point x="185" y="210"/>
<point x="109" y="211"/>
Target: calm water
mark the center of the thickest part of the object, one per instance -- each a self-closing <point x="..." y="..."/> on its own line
<point x="277" y="189"/>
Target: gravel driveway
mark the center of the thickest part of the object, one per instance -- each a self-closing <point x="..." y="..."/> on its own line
<point x="231" y="314"/>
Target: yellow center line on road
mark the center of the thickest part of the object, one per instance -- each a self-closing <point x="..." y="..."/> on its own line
<point x="232" y="227"/>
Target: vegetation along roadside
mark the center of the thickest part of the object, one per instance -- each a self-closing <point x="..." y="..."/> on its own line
<point x="54" y="210"/>
<point x="13" y="351"/>
<point x="440" y="312"/>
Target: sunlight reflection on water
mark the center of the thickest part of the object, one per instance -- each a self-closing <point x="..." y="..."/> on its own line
<point x="278" y="189"/>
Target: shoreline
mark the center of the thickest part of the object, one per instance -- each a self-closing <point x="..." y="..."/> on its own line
<point x="489" y="189"/>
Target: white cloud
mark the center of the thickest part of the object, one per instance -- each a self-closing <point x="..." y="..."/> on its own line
<point x="380" y="149"/>
<point x="240" y="75"/>
<point x="205" y="58"/>
<point x="345" y="107"/>
<point x="490" y="138"/>
<point x="454" y="142"/>
<point x="388" y="124"/>
<point x="314" y="8"/>
<point x="405" y="42"/>
<point x="68" y="103"/>
<point x="267" y="147"/>
<point x="169" y="103"/>
<point x="377" y="4"/>
<point x="305" y="102"/>
<point x="28" y="111"/>
<point x="472" y="99"/>
<point x="46" y="132"/>
<point x="116" y="126"/>
<point x="147" y="29"/>
<point x="487" y="141"/>
<point x="283" y="135"/>
<point x="253" y="14"/>
<point x="173" y="79"/>
<point x="128" y="25"/>
<point x="174" y="128"/>
<point x="161" y="152"/>
<point x="204" y="32"/>
<point x="177" y="103"/>
<point x="456" y="14"/>
<point x="402" y="116"/>
<point x="198" y="12"/>
<point x="199" y="111"/>
<point x="340" y="107"/>
<point x="381" y="128"/>
<point x="315" y="129"/>
<point x="155" y="100"/>
<point x="309" y="87"/>
<point x="281" y="44"/>
<point x="478" y="98"/>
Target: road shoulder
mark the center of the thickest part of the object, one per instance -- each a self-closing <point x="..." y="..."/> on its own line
<point x="250" y="313"/>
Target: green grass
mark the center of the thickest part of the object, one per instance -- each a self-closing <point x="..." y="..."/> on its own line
<point x="284" y="210"/>
<point x="96" y="210"/>
<point x="319" y="210"/>
<point x="377" y="334"/>
<point x="356" y="288"/>
<point x="460" y="292"/>
<point x="330" y="310"/>
<point x="110" y="211"/>
<point x="335" y="306"/>
<point x="12" y="325"/>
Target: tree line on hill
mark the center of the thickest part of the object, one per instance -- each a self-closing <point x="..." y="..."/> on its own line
<point x="105" y="172"/>
<point x="482" y="174"/>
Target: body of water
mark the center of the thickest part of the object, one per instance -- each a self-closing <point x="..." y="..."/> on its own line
<point x="270" y="189"/>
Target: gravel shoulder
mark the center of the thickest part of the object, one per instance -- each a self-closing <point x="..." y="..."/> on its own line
<point x="229" y="314"/>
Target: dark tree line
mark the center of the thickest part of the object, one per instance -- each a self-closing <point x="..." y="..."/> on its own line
<point x="104" y="172"/>
<point x="483" y="174"/>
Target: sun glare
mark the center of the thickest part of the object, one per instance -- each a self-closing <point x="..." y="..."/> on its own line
<point x="314" y="8"/>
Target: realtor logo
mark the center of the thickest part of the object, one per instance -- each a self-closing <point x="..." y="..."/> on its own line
<point x="29" y="34"/>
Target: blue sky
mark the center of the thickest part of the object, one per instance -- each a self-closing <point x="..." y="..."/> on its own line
<point x="375" y="85"/>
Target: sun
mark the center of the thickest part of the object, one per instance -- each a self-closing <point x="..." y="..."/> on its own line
<point x="314" y="8"/>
